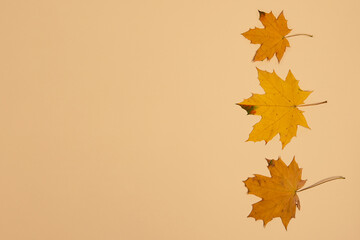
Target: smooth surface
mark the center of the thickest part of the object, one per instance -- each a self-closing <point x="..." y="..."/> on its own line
<point x="118" y="119"/>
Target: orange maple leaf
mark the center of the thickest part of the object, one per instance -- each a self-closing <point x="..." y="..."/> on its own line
<point x="278" y="192"/>
<point x="273" y="37"/>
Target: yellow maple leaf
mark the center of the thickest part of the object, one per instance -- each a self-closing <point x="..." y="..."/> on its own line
<point x="277" y="107"/>
<point x="278" y="192"/>
<point x="273" y="37"/>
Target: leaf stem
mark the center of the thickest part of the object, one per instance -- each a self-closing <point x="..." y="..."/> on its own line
<point x="299" y="34"/>
<point x="321" y="182"/>
<point x="311" y="104"/>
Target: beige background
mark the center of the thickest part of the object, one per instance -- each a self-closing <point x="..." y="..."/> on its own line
<point x="118" y="119"/>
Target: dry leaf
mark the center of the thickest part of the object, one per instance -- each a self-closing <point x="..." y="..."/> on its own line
<point x="277" y="107"/>
<point x="278" y="192"/>
<point x="271" y="37"/>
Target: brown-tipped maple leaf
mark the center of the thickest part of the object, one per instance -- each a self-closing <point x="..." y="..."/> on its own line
<point x="278" y="108"/>
<point x="278" y="192"/>
<point x="273" y="37"/>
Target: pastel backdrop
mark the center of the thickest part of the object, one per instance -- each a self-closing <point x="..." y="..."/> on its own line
<point x="118" y="119"/>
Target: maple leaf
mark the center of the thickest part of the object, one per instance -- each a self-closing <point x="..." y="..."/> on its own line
<point x="277" y="107"/>
<point x="278" y="192"/>
<point x="273" y="37"/>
